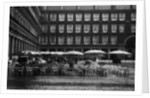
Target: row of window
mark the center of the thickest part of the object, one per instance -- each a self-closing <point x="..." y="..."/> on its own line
<point x="106" y="7"/>
<point x="86" y="28"/>
<point x="70" y="40"/>
<point x="88" y="17"/>
<point x="20" y="18"/>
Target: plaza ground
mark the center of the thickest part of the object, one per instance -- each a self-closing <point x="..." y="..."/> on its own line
<point x="72" y="83"/>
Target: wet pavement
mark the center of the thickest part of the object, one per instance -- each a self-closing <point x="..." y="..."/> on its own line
<point x="71" y="83"/>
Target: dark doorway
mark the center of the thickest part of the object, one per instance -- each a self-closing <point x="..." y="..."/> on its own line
<point x="130" y="46"/>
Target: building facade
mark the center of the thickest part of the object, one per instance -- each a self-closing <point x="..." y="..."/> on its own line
<point x="83" y="28"/>
<point x="24" y="29"/>
<point x="64" y="28"/>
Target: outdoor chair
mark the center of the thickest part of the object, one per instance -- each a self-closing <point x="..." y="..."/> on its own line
<point x="90" y="72"/>
<point x="36" y="70"/>
<point x="43" y="70"/>
<point x="102" y="72"/>
<point x="18" y="71"/>
<point x="55" y="70"/>
<point x="10" y="70"/>
<point x="122" y="73"/>
<point x="29" y="71"/>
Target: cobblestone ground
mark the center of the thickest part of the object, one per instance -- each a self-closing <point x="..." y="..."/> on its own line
<point x="71" y="83"/>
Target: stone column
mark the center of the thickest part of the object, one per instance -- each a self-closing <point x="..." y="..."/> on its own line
<point x="12" y="42"/>
<point x="22" y="45"/>
<point x="108" y="54"/>
<point x="9" y="48"/>
<point x="15" y="45"/>
<point x="16" y="42"/>
<point x="18" y="45"/>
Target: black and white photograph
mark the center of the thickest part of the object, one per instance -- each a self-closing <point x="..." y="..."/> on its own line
<point x="73" y="47"/>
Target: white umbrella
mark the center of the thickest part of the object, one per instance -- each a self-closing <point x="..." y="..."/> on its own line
<point x="95" y="52"/>
<point x="120" y="52"/>
<point x="74" y="53"/>
<point x="57" y="53"/>
<point x="34" y="53"/>
<point x="45" y="52"/>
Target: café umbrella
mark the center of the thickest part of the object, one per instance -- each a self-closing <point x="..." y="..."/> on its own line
<point x="44" y="52"/>
<point x="34" y="53"/>
<point x="74" y="53"/>
<point x="119" y="52"/>
<point x="95" y="52"/>
<point x="59" y="53"/>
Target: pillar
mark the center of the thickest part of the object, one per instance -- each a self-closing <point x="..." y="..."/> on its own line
<point x="12" y="48"/>
<point x="109" y="54"/>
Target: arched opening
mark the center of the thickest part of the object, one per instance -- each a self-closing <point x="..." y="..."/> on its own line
<point x="130" y="45"/>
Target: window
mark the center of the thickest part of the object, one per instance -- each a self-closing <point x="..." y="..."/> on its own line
<point x="44" y="28"/>
<point x="27" y="25"/>
<point x="78" y="28"/>
<point x="69" y="40"/>
<point x="51" y="8"/>
<point x="61" y="28"/>
<point x="52" y="28"/>
<point x="104" y="40"/>
<point x="61" y="40"/>
<point x="114" y="17"/>
<point x="106" y="7"/>
<point x="45" y="17"/>
<point x="105" y="17"/>
<point x="121" y="28"/>
<point x="43" y="40"/>
<point x="87" y="17"/>
<point x="122" y="16"/>
<point x="78" y="17"/>
<point x="95" y="28"/>
<point x="69" y="17"/>
<point x="53" y="17"/>
<point x="32" y="30"/>
<point x="61" y="17"/>
<point x="113" y="28"/>
<point x="133" y="16"/>
<point x="68" y="8"/>
<point x="133" y="28"/>
<point x="105" y="28"/>
<point x="86" y="28"/>
<point x="69" y="28"/>
<point x="113" y="40"/>
<point x="95" y="40"/>
<point x="52" y="40"/>
<point x="85" y="8"/>
<point x="122" y="7"/>
<point x="78" y="40"/>
<point x="86" y="40"/>
<point x="96" y="17"/>
<point x="18" y="15"/>
<point x="22" y="20"/>
<point x="12" y="12"/>
<point x="133" y="6"/>
<point x="44" y="8"/>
